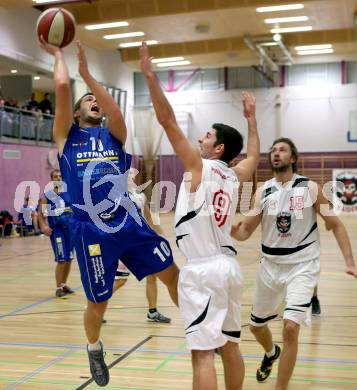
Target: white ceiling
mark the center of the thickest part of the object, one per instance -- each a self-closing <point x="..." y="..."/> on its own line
<point x="173" y="23"/>
<point x="44" y="84"/>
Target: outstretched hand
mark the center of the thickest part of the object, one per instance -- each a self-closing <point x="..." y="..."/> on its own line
<point x="145" y="59"/>
<point x="249" y="105"/>
<point x="50" y="49"/>
<point x="82" y="60"/>
<point x="351" y="271"/>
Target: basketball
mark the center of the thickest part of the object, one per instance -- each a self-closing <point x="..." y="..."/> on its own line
<point x="57" y="26"/>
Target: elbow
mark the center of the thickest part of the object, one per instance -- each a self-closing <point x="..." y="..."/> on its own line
<point x="62" y="84"/>
<point x="165" y="120"/>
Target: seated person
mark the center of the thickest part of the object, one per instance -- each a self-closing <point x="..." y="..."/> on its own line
<point x="28" y="216"/>
<point x="6" y="220"/>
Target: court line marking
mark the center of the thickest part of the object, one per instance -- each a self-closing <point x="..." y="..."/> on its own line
<point x="44" y="367"/>
<point x="38" y="303"/>
<point x="23" y="254"/>
<point x="144" y="307"/>
<point x="79" y="347"/>
<point x="118" y="360"/>
<point x="170" y="357"/>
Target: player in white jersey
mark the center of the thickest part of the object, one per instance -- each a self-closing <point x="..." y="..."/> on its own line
<point x="286" y="207"/>
<point x="210" y="283"/>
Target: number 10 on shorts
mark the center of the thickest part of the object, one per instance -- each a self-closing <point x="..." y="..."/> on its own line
<point x="163" y="252"/>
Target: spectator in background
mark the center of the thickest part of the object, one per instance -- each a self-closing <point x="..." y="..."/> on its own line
<point x="45" y="105"/>
<point x="32" y="104"/>
<point x="54" y="216"/>
<point x="6" y="220"/>
<point x="10" y="102"/>
<point x="28" y="216"/>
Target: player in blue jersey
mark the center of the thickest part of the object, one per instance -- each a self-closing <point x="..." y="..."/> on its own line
<point x="53" y="217"/>
<point x="106" y="224"/>
<point x="122" y="274"/>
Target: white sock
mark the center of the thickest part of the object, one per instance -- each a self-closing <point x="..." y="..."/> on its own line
<point x="95" y="346"/>
<point x="271" y="353"/>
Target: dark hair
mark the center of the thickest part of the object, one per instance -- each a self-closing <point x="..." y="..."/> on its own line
<point x="293" y="149"/>
<point x="77" y="105"/>
<point x="232" y="140"/>
<point x="53" y="172"/>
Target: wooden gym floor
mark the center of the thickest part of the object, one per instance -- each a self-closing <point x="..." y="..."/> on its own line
<point x="42" y="343"/>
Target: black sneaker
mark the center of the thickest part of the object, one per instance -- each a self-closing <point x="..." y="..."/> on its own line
<point x="266" y="365"/>
<point x="157" y="317"/>
<point x="98" y="368"/>
<point x="60" y="293"/>
<point x="68" y="290"/>
<point x="315" y="306"/>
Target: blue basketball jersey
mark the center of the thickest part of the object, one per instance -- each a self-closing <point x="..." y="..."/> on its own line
<point x="59" y="209"/>
<point x="94" y="166"/>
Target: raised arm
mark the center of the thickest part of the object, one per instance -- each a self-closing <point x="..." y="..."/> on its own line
<point x="116" y="121"/>
<point x="64" y="113"/>
<point x="333" y="223"/>
<point x="246" y="167"/>
<point x="245" y="228"/>
<point x="184" y="149"/>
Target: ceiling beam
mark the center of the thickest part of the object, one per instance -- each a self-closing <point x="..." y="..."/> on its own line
<point x="45" y="6"/>
<point x="238" y="44"/>
<point x="323" y="36"/>
<point x="110" y="10"/>
<point x="188" y="48"/>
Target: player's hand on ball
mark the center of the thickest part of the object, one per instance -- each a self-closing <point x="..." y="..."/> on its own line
<point x="249" y="104"/>
<point x="145" y="59"/>
<point x="50" y="49"/>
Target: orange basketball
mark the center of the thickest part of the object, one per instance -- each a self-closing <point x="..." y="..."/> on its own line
<point x="57" y="26"/>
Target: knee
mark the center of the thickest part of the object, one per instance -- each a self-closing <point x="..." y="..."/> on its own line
<point x="151" y="279"/>
<point x="290" y="331"/>
<point x="174" y="273"/>
<point x="228" y="350"/>
<point x="201" y="357"/>
<point x="169" y="276"/>
<point x="118" y="284"/>
<point x="256" y="329"/>
<point x="97" y="309"/>
<point x="121" y="282"/>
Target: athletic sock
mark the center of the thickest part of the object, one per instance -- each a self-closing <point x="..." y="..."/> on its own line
<point x="95" y="346"/>
<point x="272" y="352"/>
<point x="152" y="311"/>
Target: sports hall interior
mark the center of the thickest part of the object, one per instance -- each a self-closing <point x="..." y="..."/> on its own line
<point x="302" y="69"/>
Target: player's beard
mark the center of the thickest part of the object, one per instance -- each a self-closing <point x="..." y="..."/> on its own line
<point x="281" y="169"/>
<point x="93" y="120"/>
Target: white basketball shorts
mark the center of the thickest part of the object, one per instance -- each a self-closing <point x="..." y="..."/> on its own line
<point x="209" y="299"/>
<point x="293" y="282"/>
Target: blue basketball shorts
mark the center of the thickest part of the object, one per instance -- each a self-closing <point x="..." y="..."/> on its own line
<point x="62" y="244"/>
<point x="140" y="249"/>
